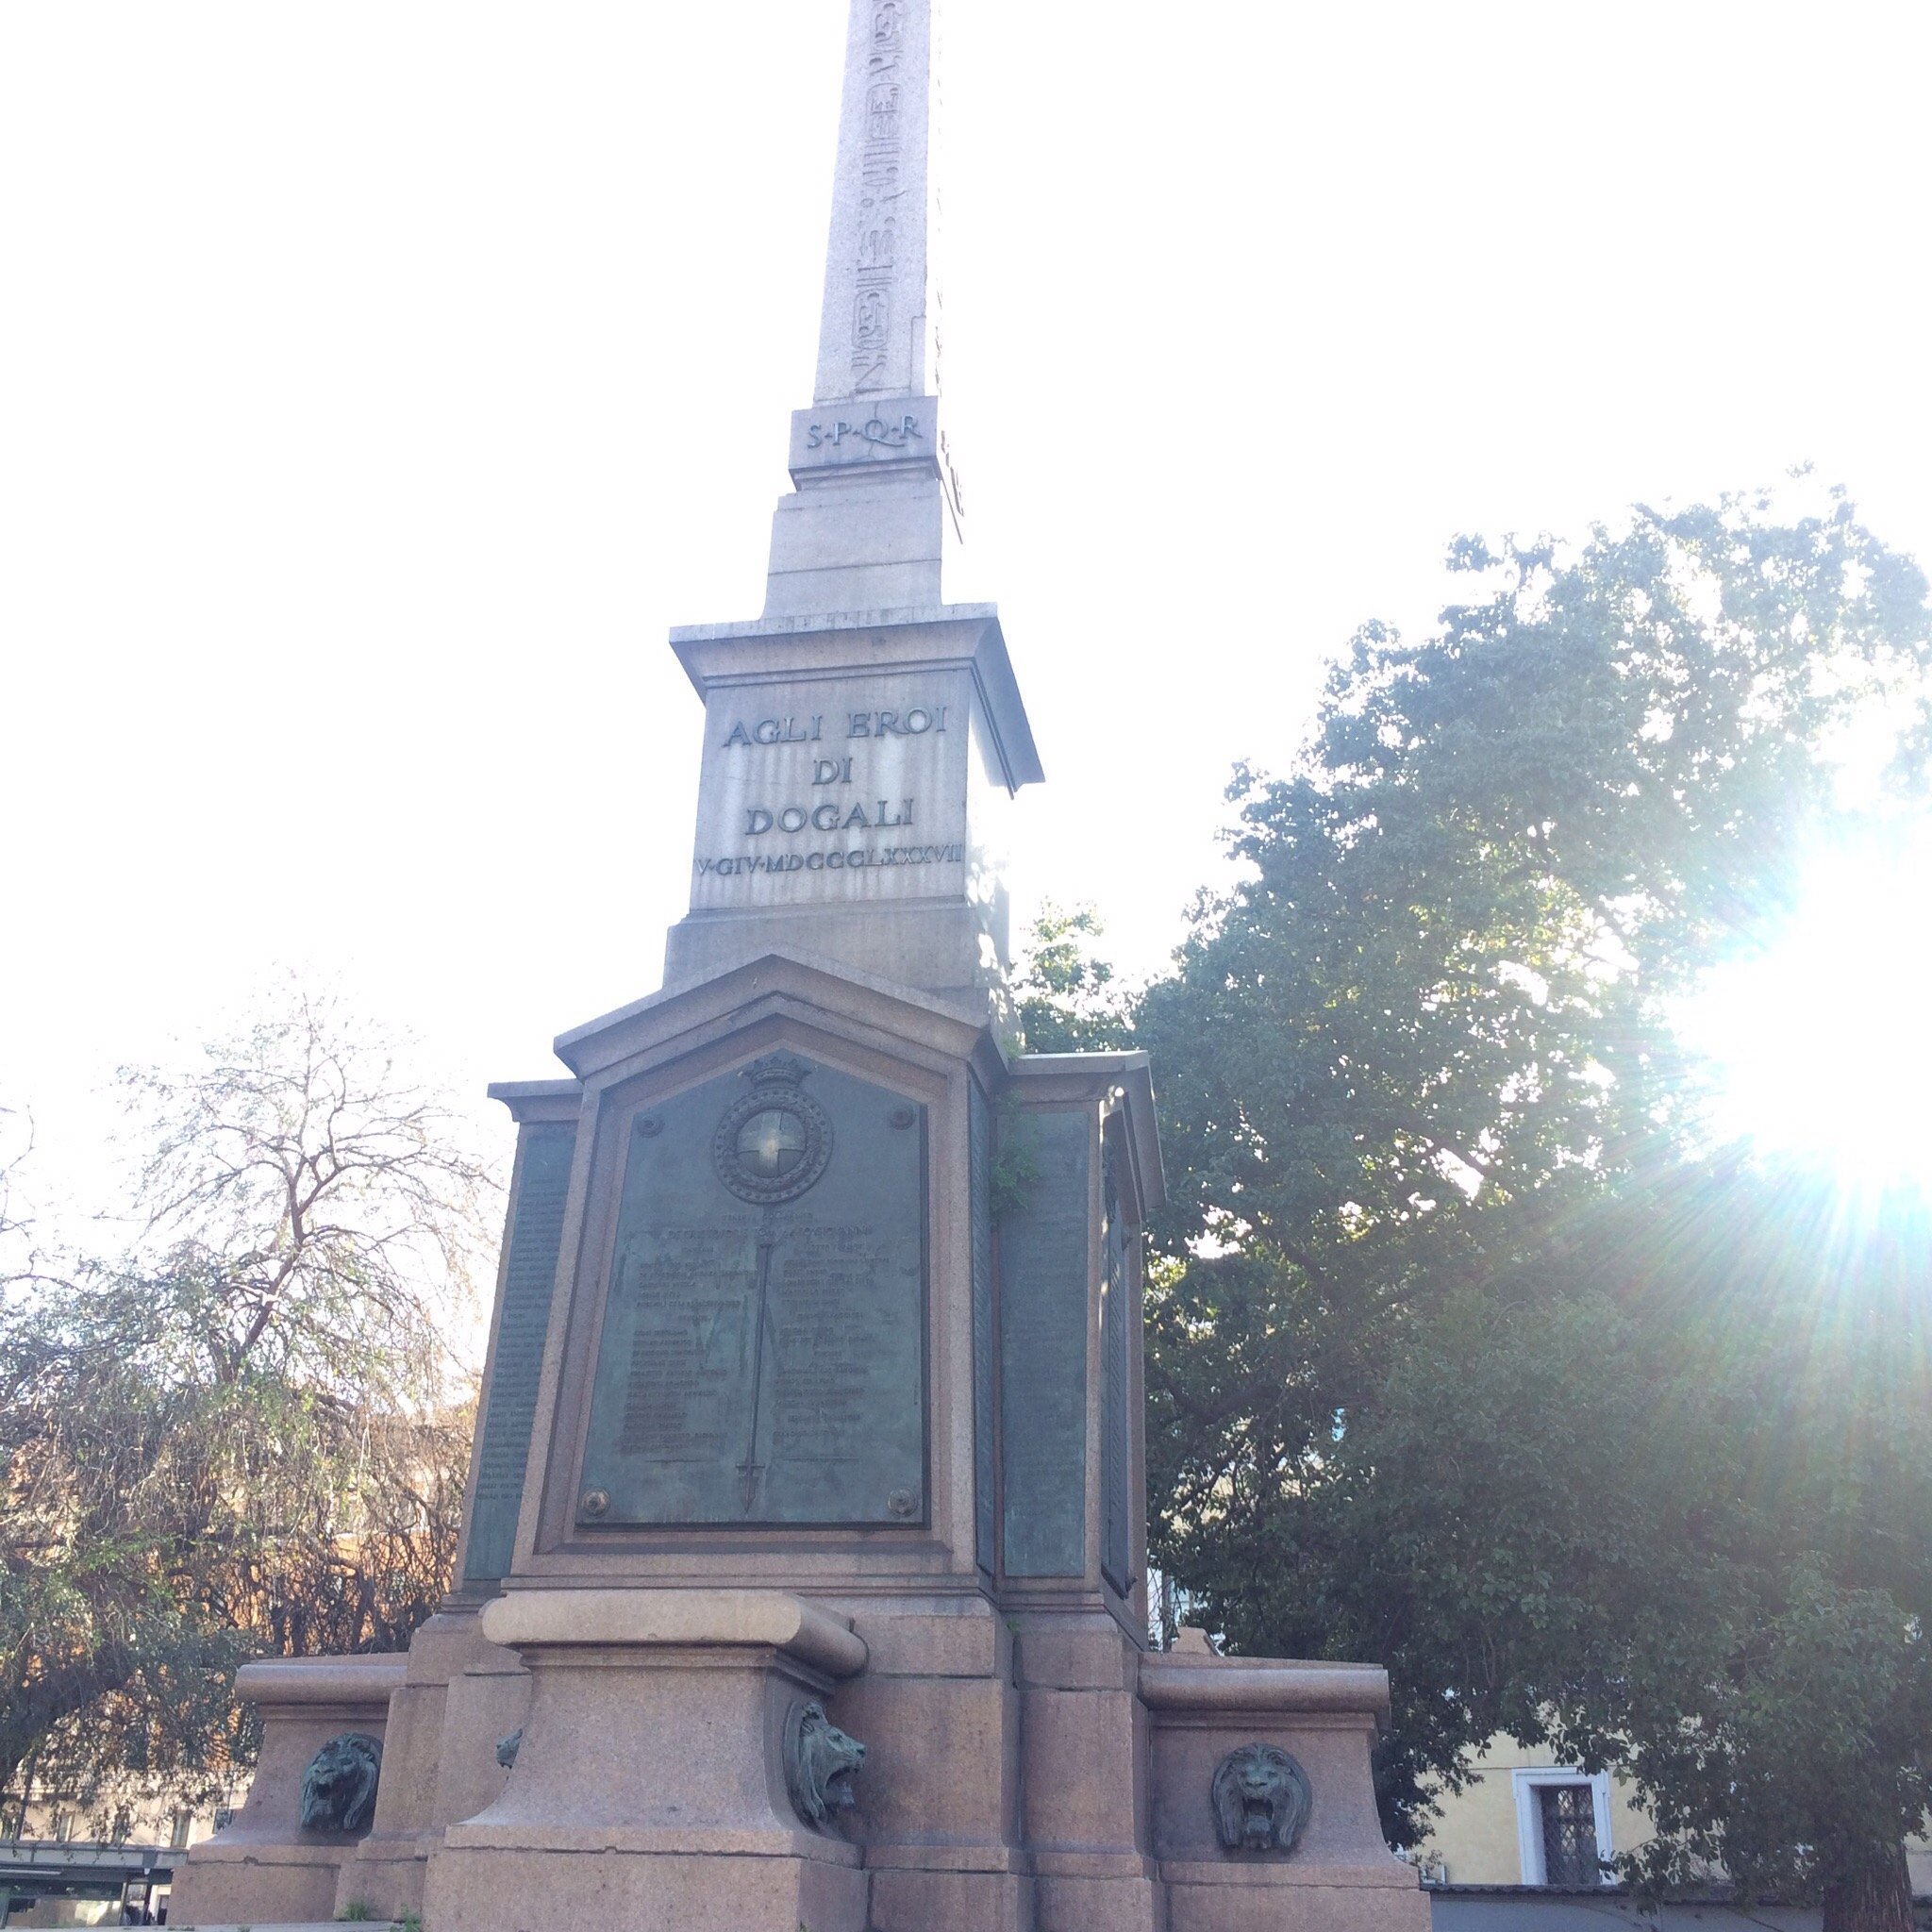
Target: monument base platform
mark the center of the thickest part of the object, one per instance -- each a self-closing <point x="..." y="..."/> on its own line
<point x="266" y="1866"/>
<point x="929" y="1899"/>
<point x="277" y="1884"/>
<point x="1034" y="1774"/>
<point x="533" y="1889"/>
<point x="1208" y="1898"/>
<point x="1072" y="1902"/>
<point x="659" y="1779"/>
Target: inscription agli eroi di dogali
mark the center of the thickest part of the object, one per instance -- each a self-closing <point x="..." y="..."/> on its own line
<point x="832" y="807"/>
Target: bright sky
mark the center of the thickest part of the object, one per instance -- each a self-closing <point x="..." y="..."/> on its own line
<point x="1825" y="1043"/>
<point x="380" y="379"/>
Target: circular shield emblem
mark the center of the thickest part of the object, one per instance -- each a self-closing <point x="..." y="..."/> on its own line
<point x="772" y="1144"/>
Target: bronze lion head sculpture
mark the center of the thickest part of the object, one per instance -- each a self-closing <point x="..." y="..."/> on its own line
<point x="820" y="1764"/>
<point x="1261" y="1799"/>
<point x="339" y="1788"/>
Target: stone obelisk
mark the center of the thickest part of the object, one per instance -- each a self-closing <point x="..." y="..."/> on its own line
<point x="866" y="530"/>
<point x="802" y="1575"/>
<point x="862" y="737"/>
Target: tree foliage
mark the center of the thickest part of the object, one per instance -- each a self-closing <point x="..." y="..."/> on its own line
<point x="1660" y="1510"/>
<point x="248" y="1435"/>
<point x="1066" y="998"/>
<point x="1427" y="1384"/>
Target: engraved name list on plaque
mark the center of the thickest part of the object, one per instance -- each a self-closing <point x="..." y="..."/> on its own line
<point x="762" y="1358"/>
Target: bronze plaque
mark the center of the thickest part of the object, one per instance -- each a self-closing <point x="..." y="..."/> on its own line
<point x="763" y="1353"/>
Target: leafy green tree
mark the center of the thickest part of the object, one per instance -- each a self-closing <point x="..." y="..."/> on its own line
<point x="249" y="1435"/>
<point x="1418" y="1081"/>
<point x="1662" y="1508"/>
<point x="1066" y="998"/>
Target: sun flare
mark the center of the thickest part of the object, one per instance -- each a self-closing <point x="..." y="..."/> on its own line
<point x="1823" y="1045"/>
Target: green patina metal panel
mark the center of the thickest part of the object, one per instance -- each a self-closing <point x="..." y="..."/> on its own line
<point x="984" y="1395"/>
<point x="510" y="1403"/>
<point x="763" y="1353"/>
<point x="1116" y="1418"/>
<point x="1043" y="1315"/>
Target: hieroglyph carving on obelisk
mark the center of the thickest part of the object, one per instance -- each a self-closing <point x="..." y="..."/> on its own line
<point x="877" y="500"/>
<point x="874" y="336"/>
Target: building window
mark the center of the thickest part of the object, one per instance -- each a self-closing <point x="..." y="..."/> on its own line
<point x="1563" y="1827"/>
<point x="1569" y="1821"/>
<point x="184" y="1824"/>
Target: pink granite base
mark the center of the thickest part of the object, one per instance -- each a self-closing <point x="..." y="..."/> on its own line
<point x="266" y="1868"/>
<point x="274" y="1884"/>
<point x="1339" y="1875"/>
<point x="534" y="1888"/>
<point x="1084" y="1752"/>
<point x="929" y="1899"/>
<point x="1219" y="1898"/>
<point x="1066" y="1901"/>
<point x="649" y="1791"/>
<point x="1037" y="1776"/>
<point x="460" y="1697"/>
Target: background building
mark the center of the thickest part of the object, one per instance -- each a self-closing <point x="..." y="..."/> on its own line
<point x="1522" y="1846"/>
<point x="60" y="1867"/>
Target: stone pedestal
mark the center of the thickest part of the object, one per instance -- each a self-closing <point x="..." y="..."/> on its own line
<point x="266" y="1868"/>
<point x="460" y="1697"/>
<point x="852" y="798"/>
<point x="650" y="1788"/>
<point x="1085" y="1738"/>
<point x="1339" y="1874"/>
<point x="938" y="1810"/>
<point x="869" y="1438"/>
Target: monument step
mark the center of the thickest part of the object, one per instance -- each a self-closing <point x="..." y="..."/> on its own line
<point x="292" y="1925"/>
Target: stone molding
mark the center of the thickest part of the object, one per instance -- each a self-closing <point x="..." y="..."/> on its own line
<point x="322" y="1680"/>
<point x="927" y="638"/>
<point x="677" y="1619"/>
<point x="616" y="1045"/>
<point x="1241" y="1683"/>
